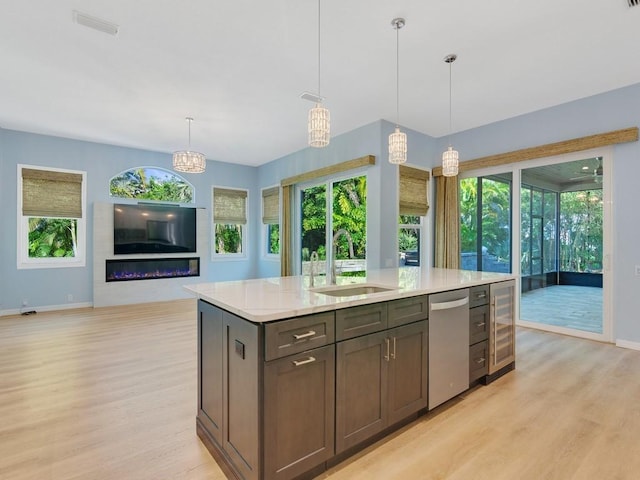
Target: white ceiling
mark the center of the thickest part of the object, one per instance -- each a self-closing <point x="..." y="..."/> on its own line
<point x="239" y="66"/>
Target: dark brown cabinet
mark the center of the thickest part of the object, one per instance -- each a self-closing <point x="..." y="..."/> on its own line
<point x="299" y="412"/>
<point x="478" y="332"/>
<point x="381" y="378"/>
<point x="210" y="341"/>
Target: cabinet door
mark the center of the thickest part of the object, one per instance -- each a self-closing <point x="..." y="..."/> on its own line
<point x="502" y="332"/>
<point x="299" y="412"/>
<point x="361" y="388"/>
<point x="241" y="377"/>
<point x="408" y="367"/>
<point x="210" y="343"/>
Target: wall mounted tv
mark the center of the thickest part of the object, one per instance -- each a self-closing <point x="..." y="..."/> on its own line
<point x="150" y="228"/>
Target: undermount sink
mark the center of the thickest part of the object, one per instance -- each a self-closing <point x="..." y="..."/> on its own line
<point x="351" y="290"/>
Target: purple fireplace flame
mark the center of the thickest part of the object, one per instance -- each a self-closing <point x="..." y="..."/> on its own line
<point x="149" y="269"/>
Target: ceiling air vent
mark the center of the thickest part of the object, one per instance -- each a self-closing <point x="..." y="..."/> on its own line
<point x="95" y="23"/>
<point x="633" y="3"/>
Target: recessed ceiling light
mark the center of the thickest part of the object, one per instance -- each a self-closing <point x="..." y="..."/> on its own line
<point x="95" y="23"/>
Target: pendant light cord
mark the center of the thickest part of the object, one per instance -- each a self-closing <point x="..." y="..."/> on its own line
<point x="397" y="75"/>
<point x="319" y="49"/>
<point x="450" y="123"/>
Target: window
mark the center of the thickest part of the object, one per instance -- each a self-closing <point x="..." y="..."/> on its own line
<point x="51" y="218"/>
<point x="328" y="210"/>
<point x="271" y="220"/>
<point x="151" y="183"/>
<point x="229" y="222"/>
<point x="413" y="205"/>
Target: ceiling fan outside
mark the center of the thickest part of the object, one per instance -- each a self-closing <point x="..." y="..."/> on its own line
<point x="595" y="175"/>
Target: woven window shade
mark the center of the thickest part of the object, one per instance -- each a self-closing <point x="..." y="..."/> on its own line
<point x="271" y="205"/>
<point x="229" y="206"/>
<point x="46" y="193"/>
<point x="413" y="191"/>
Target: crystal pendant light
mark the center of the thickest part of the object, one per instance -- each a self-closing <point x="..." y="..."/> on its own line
<point x="319" y="126"/>
<point x="450" y="156"/>
<point x="187" y="161"/>
<point x="398" y="139"/>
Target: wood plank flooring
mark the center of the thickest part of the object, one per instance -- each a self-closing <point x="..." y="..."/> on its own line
<point x="110" y="393"/>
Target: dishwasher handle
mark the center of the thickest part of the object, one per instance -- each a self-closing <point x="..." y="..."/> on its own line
<point x="452" y="304"/>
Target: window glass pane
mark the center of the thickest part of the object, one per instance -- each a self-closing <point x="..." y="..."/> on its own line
<point x="273" y="239"/>
<point x="549" y="232"/>
<point x="536" y="246"/>
<point x="349" y="212"/>
<point x="409" y="244"/>
<point x="496" y="226"/>
<point x="469" y="223"/>
<point x="228" y="238"/>
<point x="525" y="234"/>
<point x="151" y="184"/>
<point x="313" y="225"/>
<point x="409" y="220"/>
<point x="52" y="237"/>
<point x="581" y="231"/>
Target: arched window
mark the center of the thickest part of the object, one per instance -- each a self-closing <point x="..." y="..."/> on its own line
<point x="151" y="183"/>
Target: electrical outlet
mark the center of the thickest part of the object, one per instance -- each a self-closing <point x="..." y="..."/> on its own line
<point x="638" y="270"/>
<point x="69" y="297"/>
<point x="25" y="302"/>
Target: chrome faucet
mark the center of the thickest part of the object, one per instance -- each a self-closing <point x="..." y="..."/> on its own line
<point x="314" y="259"/>
<point x="341" y="231"/>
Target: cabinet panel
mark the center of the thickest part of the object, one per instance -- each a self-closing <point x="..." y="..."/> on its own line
<point x="242" y="430"/>
<point x="478" y="360"/>
<point x="408" y="310"/>
<point x="355" y="321"/>
<point x="478" y="324"/>
<point x="408" y="370"/>
<point x="210" y="343"/>
<point x="361" y="389"/>
<point x="288" y="337"/>
<point x="478" y="295"/>
<point x="299" y="412"/>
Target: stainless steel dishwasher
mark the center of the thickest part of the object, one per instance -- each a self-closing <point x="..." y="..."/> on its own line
<point x="448" y="345"/>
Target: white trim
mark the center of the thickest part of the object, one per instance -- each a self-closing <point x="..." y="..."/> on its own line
<point x="628" y="344"/>
<point x="23" y="262"/>
<point x="46" y="308"/>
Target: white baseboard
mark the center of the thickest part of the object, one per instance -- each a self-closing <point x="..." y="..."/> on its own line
<point x="628" y="344"/>
<point x="46" y="308"/>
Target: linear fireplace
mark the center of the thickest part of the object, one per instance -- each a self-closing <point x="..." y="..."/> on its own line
<point x="149" y="269"/>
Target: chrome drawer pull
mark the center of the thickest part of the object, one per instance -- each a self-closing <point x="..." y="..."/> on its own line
<point x="479" y="360"/>
<point x="298" y="363"/>
<point x="481" y="295"/>
<point x="310" y="333"/>
<point x="480" y="324"/>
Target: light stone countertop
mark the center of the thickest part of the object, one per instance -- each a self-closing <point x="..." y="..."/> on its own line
<point x="267" y="299"/>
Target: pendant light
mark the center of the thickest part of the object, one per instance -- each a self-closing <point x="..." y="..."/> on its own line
<point x="450" y="156"/>
<point x="319" y="118"/>
<point x="187" y="161"/>
<point x="398" y="139"/>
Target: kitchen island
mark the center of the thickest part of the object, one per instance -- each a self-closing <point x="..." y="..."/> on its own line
<point x="293" y="379"/>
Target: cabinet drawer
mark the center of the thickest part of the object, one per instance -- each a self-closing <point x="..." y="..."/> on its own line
<point x="408" y="310"/>
<point x="478" y="295"/>
<point x="478" y="360"/>
<point x="478" y="324"/>
<point x="355" y="321"/>
<point x="288" y="337"/>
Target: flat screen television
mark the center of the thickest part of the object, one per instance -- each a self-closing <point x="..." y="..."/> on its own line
<point x="148" y="228"/>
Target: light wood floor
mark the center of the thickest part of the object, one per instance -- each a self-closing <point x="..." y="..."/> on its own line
<point x="111" y="394"/>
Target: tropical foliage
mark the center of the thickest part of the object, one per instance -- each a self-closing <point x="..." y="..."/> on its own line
<point x="273" y="238"/>
<point x="52" y="237"/>
<point x="581" y="231"/>
<point x="228" y="238"/>
<point x="151" y="184"/>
